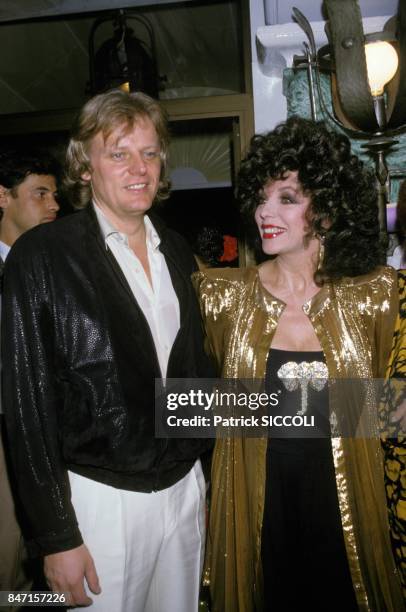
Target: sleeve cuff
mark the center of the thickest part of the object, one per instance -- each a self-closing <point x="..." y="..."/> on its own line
<point x="54" y="543"/>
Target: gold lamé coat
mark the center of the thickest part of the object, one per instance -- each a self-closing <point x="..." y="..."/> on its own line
<point x="354" y="321"/>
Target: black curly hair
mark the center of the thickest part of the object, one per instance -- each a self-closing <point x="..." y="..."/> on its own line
<point x="343" y="210"/>
<point x="209" y="245"/>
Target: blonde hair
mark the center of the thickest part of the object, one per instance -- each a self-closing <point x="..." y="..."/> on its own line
<point x="104" y="113"/>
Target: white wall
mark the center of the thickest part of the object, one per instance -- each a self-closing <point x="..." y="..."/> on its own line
<point x="279" y="11"/>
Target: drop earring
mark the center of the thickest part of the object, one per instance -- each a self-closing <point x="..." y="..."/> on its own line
<point x="320" y="258"/>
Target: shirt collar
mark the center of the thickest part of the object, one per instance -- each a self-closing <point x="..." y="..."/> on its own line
<point x="152" y="235"/>
<point x="108" y="230"/>
<point x="4" y="250"/>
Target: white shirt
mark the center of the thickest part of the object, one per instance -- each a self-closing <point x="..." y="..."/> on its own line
<point x="4" y="251"/>
<point x="397" y="259"/>
<point x="159" y="303"/>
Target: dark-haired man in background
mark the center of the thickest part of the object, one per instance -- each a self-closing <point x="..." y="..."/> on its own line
<point x="27" y="198"/>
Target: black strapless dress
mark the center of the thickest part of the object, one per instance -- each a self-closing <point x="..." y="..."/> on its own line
<point x="303" y="552"/>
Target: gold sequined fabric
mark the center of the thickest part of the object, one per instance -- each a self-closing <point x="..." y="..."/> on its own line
<point x="354" y="321"/>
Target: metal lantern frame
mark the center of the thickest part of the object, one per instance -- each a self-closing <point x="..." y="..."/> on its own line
<point x="375" y="119"/>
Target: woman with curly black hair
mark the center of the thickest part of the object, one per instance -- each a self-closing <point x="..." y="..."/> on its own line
<point x="342" y="194"/>
<point x="301" y="522"/>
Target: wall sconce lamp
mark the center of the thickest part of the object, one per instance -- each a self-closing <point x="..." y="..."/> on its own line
<point x="368" y="82"/>
<point x="382" y="63"/>
<point x="123" y="61"/>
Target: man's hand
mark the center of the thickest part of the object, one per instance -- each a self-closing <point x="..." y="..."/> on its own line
<point x="65" y="571"/>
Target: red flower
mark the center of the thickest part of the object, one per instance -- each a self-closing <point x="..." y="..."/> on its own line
<point x="230" y="248"/>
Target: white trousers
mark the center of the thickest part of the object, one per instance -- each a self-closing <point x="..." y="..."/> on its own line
<point x="147" y="547"/>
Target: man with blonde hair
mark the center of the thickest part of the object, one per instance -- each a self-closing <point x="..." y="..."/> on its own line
<point x="113" y="510"/>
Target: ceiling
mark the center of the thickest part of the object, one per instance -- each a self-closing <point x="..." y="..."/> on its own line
<point x="14" y="10"/>
<point x="44" y="59"/>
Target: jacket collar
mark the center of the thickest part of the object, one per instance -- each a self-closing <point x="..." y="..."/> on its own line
<point x="179" y="275"/>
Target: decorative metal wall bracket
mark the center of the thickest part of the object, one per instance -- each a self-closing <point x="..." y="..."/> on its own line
<point x="367" y="118"/>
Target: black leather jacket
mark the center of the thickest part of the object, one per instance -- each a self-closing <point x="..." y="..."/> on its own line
<point x="79" y="367"/>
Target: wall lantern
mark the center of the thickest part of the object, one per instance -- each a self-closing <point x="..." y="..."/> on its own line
<point x="123" y="61"/>
<point x="368" y="81"/>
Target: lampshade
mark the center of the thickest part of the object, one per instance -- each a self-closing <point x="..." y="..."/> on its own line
<point x="382" y="63"/>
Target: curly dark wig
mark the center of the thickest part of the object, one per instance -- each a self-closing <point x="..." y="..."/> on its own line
<point x="343" y="210"/>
